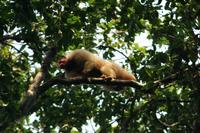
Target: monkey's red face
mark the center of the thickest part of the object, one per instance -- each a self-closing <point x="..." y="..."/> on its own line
<point x="62" y="62"/>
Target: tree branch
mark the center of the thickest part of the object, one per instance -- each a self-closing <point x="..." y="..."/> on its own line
<point x="10" y="37"/>
<point x="174" y="76"/>
<point x="115" y="50"/>
<point x="31" y="94"/>
<point x="29" y="99"/>
<point x="79" y="80"/>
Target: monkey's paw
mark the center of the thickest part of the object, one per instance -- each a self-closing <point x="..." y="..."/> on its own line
<point x="107" y="78"/>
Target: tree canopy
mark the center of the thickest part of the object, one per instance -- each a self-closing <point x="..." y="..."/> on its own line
<point x="34" y="96"/>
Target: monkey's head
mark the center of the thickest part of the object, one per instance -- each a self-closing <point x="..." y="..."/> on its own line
<point x="62" y="62"/>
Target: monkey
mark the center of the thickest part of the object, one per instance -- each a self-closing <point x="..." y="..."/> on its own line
<point x="82" y="63"/>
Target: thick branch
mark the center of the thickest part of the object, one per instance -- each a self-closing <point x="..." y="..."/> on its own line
<point x="78" y="80"/>
<point x="31" y="94"/>
<point x="99" y="81"/>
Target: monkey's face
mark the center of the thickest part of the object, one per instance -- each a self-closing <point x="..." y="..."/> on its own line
<point x="62" y="62"/>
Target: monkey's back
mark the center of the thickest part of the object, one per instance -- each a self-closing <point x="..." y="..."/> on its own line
<point x="121" y="73"/>
<point x="81" y="55"/>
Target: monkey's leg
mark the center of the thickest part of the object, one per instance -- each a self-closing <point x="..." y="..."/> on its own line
<point x="108" y="72"/>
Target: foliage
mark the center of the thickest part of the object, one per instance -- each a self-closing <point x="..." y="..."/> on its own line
<point x="29" y="28"/>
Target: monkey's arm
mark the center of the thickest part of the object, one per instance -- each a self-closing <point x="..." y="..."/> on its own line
<point x="88" y="67"/>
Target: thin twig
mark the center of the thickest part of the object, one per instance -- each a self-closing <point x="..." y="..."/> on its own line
<point x="10" y="37"/>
